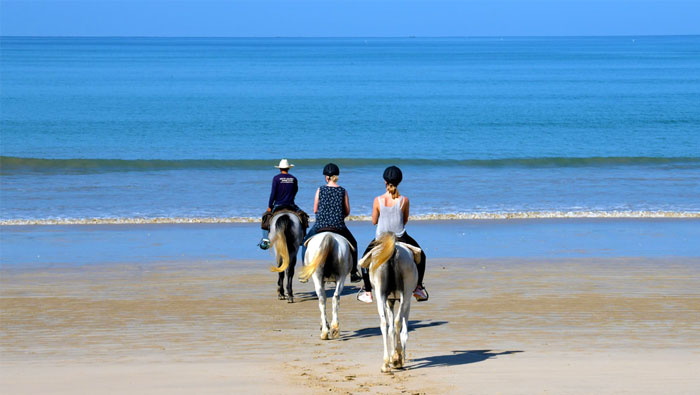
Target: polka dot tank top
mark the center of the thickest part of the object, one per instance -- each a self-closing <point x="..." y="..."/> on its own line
<point x="330" y="207"/>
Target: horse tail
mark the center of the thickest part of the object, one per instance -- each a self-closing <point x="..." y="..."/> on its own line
<point x="279" y="241"/>
<point x="386" y="246"/>
<point x="324" y="249"/>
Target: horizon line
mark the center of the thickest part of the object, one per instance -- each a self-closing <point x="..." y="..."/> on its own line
<point x="358" y="37"/>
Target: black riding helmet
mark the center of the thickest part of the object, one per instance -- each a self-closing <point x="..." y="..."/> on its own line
<point x="331" y="169"/>
<point x="393" y="175"/>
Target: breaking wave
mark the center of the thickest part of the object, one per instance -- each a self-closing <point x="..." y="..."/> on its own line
<point x="12" y="164"/>
<point x="422" y="217"/>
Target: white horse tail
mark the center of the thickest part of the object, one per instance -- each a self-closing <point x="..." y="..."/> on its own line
<point x="323" y="250"/>
<point x="386" y="246"/>
<point x="279" y="242"/>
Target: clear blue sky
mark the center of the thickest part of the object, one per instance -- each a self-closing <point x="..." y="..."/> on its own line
<point x="265" y="18"/>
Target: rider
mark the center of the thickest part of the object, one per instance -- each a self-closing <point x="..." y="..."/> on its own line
<point x="331" y="206"/>
<point x="390" y="214"/>
<point x="284" y="189"/>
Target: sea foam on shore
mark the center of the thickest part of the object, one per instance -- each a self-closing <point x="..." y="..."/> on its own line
<point x="421" y="217"/>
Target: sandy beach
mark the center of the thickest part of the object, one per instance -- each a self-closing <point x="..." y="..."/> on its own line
<point x="546" y="157"/>
<point x="491" y="326"/>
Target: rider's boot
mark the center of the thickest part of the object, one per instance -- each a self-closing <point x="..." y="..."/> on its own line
<point x="364" y="296"/>
<point x="355" y="275"/>
<point x="265" y="241"/>
<point x="420" y="293"/>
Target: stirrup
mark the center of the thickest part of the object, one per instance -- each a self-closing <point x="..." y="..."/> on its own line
<point x="419" y="297"/>
<point x="264" y="244"/>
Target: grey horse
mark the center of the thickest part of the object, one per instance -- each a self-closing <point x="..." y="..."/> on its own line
<point x="286" y="234"/>
<point x="393" y="274"/>
<point x="328" y="258"/>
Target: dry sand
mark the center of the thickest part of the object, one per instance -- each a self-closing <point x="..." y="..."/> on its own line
<point x="491" y="326"/>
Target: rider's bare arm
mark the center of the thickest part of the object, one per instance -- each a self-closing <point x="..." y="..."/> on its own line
<point x="316" y="202"/>
<point x="375" y="210"/>
<point x="347" y="204"/>
<point x="405" y="209"/>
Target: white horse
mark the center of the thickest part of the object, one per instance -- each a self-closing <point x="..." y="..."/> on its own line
<point x="328" y="258"/>
<point x="394" y="275"/>
<point x="286" y="234"/>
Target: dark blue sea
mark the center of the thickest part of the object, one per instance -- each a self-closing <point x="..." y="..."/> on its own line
<point x="189" y="129"/>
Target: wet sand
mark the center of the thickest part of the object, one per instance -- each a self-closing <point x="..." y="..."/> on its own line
<point x="587" y="325"/>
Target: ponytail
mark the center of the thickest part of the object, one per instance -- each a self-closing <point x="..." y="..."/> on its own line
<point x="391" y="188"/>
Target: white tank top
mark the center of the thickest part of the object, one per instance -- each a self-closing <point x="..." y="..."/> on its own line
<point x="391" y="218"/>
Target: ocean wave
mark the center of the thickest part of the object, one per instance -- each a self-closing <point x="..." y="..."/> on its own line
<point x="420" y="217"/>
<point x="12" y="164"/>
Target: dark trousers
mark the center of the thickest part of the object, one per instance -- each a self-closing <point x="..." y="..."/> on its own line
<point x="345" y="232"/>
<point x="404" y="239"/>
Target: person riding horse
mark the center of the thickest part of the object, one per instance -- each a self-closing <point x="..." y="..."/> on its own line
<point x="331" y="206"/>
<point x="284" y="190"/>
<point x="390" y="213"/>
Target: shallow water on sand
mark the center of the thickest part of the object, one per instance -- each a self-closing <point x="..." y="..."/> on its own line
<point x="69" y="245"/>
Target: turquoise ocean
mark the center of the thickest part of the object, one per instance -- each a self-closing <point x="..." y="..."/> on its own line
<point x="189" y="129"/>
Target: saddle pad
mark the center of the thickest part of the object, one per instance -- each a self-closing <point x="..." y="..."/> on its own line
<point x="331" y="230"/>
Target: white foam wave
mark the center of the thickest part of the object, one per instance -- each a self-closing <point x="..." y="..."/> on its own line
<point x="419" y="217"/>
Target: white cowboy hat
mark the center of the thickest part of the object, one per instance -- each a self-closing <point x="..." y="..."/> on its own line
<point x="284" y="164"/>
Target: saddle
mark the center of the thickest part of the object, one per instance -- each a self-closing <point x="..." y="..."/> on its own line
<point x="332" y="230"/>
<point x="367" y="258"/>
<point x="303" y="217"/>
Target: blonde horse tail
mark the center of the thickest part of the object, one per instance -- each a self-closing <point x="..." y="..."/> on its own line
<point x="321" y="255"/>
<point x="279" y="242"/>
<point x="386" y="245"/>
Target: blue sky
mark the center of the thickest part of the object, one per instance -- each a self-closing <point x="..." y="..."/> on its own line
<point x="333" y="18"/>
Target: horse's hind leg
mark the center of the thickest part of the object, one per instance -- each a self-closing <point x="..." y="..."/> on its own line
<point x="401" y="324"/>
<point x="321" y="293"/>
<point x="290" y="277"/>
<point x="335" y="326"/>
<point x="280" y="287"/>
<point x="386" y="368"/>
<point x="391" y="330"/>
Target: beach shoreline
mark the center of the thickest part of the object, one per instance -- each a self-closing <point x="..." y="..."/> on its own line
<point x="527" y="215"/>
<point x="74" y="245"/>
<point x="491" y="326"/>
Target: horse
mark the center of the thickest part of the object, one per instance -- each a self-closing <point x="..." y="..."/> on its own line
<point x="286" y="234"/>
<point x="394" y="276"/>
<point x="328" y="258"/>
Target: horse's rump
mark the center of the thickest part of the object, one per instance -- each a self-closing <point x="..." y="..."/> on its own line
<point x="385" y="261"/>
<point x="326" y="255"/>
<point x="283" y="240"/>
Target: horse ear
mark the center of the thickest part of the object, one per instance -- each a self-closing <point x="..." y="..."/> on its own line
<point x="416" y="252"/>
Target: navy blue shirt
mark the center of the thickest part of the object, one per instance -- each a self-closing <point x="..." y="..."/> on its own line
<point x="284" y="189"/>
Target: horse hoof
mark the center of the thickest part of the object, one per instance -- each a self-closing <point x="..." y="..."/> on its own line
<point x="290" y="299"/>
<point x="281" y="297"/>
<point x="324" y="335"/>
<point x="397" y="361"/>
<point x="386" y="368"/>
<point x="335" y="332"/>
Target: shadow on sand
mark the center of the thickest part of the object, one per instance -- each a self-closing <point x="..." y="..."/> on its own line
<point x="374" y="331"/>
<point x="307" y="296"/>
<point x="456" y="358"/>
